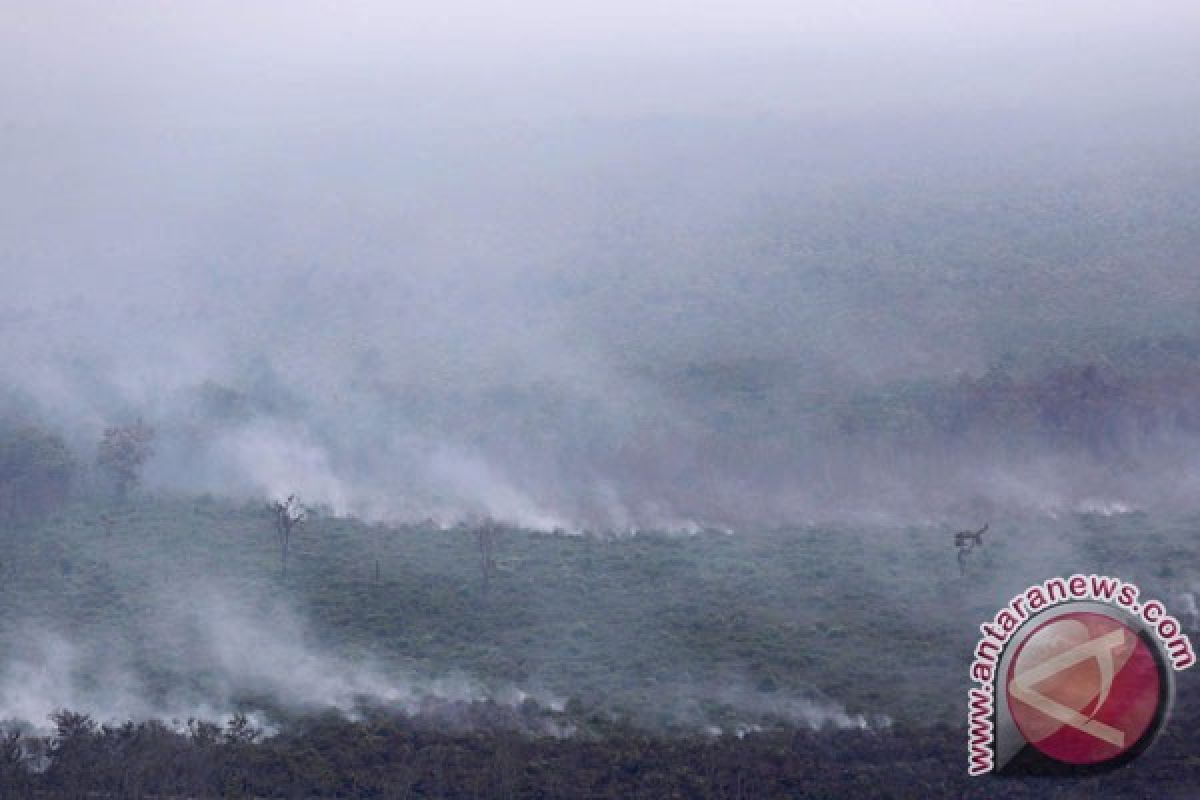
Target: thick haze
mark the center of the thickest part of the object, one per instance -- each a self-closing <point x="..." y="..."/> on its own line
<point x="460" y="260"/>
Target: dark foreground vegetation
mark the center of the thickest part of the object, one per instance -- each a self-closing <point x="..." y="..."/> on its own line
<point x="390" y="757"/>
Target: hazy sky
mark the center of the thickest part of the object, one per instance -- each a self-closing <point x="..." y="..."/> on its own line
<point x="205" y="59"/>
<point x="136" y="123"/>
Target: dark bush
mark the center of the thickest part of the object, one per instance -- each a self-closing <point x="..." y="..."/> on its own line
<point x="36" y="470"/>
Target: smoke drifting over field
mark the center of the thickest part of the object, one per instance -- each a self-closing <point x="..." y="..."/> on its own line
<point x="220" y="655"/>
<point x="439" y="280"/>
<point x="206" y="652"/>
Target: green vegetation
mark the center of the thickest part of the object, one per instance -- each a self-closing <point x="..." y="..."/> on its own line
<point x="653" y="628"/>
<point x="876" y="618"/>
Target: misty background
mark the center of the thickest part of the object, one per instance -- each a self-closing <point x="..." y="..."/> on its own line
<point x="579" y="269"/>
<point x="638" y="267"/>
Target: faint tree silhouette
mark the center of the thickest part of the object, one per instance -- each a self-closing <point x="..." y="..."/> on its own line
<point x="123" y="450"/>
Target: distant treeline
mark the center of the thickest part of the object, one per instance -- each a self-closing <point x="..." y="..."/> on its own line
<point x="1106" y="402"/>
<point x="1103" y="406"/>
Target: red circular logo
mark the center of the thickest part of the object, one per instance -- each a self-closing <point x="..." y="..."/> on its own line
<point x="1084" y="688"/>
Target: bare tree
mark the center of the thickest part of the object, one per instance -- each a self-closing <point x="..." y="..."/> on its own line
<point x="966" y="541"/>
<point x="289" y="514"/>
<point x="486" y="535"/>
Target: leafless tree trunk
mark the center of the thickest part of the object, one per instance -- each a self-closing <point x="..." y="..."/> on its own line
<point x="486" y="534"/>
<point x="288" y="515"/>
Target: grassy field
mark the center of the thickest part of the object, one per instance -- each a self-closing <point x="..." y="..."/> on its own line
<point x="667" y="631"/>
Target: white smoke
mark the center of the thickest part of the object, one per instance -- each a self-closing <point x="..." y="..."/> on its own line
<point x="222" y="654"/>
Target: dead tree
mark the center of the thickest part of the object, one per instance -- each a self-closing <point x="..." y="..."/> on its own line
<point x="966" y="541"/>
<point x="970" y="538"/>
<point x="289" y="514"/>
<point x="486" y="535"/>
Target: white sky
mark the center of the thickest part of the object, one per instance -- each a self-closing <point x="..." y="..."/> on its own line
<point x="134" y="53"/>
